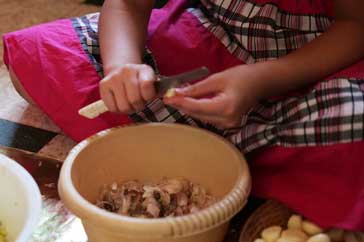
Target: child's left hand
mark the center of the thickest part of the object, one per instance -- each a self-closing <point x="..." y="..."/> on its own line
<point x="221" y="99"/>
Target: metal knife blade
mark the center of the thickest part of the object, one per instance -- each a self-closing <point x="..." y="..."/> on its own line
<point x="165" y="83"/>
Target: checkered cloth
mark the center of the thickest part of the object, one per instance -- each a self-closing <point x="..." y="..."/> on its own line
<point x="329" y="113"/>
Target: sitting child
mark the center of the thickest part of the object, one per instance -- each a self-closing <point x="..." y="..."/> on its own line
<point x="284" y="88"/>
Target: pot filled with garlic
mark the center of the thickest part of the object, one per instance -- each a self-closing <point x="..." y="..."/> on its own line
<point x="155" y="183"/>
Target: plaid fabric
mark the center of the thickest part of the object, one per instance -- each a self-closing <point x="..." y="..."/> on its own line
<point x="253" y="32"/>
<point x="86" y="28"/>
<point x="331" y="112"/>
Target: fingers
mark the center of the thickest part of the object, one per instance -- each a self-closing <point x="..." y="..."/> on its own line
<point x="205" y="106"/>
<point x="210" y="85"/>
<point x="215" y="110"/>
<point x="120" y="97"/>
<point x="108" y="98"/>
<point x="147" y="79"/>
<point x="132" y="90"/>
<point x="127" y="89"/>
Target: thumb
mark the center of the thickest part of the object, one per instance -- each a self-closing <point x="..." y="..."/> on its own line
<point x="202" y="88"/>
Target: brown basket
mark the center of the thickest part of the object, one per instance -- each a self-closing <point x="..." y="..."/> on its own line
<point x="269" y="214"/>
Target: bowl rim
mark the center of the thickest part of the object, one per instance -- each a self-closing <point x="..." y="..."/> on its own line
<point x="33" y="195"/>
<point x="180" y="226"/>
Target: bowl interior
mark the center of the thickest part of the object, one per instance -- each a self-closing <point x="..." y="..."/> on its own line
<point x="20" y="201"/>
<point x="150" y="152"/>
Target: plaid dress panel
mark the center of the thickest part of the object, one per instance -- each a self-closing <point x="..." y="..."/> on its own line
<point x="253" y="32"/>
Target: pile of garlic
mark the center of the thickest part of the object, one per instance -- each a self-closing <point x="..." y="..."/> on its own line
<point x="301" y="230"/>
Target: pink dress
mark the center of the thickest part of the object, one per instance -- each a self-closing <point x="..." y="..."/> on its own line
<point x="304" y="149"/>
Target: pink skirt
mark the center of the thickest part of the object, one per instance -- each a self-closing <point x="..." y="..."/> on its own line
<point x="305" y="150"/>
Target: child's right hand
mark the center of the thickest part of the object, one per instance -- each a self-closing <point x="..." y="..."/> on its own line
<point x="126" y="89"/>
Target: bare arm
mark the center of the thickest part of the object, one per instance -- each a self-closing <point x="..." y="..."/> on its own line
<point x="122" y="31"/>
<point x="339" y="47"/>
<point x="239" y="88"/>
<point x="127" y="84"/>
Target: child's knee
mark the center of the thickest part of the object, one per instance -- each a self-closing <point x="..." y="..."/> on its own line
<point x="18" y="86"/>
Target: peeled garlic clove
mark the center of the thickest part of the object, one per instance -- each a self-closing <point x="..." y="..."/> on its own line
<point x="336" y="235"/>
<point x="350" y="237"/>
<point x="295" y="222"/>
<point x="271" y="234"/>
<point x="294" y="235"/>
<point x="259" y="240"/>
<point x="319" y="238"/>
<point x="310" y="228"/>
<point x="170" y="93"/>
<point x="282" y="240"/>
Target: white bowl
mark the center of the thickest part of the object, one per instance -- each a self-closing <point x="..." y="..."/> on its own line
<point x="20" y="203"/>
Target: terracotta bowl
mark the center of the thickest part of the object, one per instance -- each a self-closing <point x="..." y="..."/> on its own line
<point x="149" y="152"/>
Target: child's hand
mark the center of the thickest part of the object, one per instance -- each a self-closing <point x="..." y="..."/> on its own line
<point x="220" y="99"/>
<point x="126" y="89"/>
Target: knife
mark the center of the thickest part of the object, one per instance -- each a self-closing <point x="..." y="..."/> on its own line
<point x="162" y="85"/>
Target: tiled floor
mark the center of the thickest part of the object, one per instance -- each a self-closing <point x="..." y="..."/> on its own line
<point x="22" y="125"/>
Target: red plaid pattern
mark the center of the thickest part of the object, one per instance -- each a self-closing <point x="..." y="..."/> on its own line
<point x="253" y="32"/>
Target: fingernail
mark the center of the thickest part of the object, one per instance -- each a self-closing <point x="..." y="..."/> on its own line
<point x="146" y="77"/>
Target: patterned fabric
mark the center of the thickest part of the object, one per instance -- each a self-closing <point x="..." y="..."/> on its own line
<point x="331" y="112"/>
<point x="253" y="32"/>
<point x="86" y="28"/>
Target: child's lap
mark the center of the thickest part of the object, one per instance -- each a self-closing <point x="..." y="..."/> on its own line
<point x="59" y="66"/>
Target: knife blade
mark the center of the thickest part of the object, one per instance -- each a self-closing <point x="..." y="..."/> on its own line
<point x="162" y="85"/>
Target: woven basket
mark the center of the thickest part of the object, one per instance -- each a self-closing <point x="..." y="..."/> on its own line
<point x="270" y="213"/>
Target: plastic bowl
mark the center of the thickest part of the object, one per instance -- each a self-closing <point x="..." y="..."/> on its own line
<point x="149" y="152"/>
<point x="20" y="203"/>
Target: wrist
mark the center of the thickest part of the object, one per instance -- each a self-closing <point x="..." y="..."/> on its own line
<point x="112" y="66"/>
<point x="257" y="79"/>
<point x="115" y="67"/>
<point x="266" y="79"/>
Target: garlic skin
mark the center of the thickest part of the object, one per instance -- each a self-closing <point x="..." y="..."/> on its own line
<point x="351" y="237"/>
<point x="336" y="235"/>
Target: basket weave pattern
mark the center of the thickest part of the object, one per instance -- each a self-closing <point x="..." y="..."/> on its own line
<point x="269" y="214"/>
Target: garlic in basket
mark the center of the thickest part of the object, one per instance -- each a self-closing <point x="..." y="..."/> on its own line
<point x="303" y="230"/>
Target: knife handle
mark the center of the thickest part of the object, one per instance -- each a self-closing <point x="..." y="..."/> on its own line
<point x="93" y="110"/>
